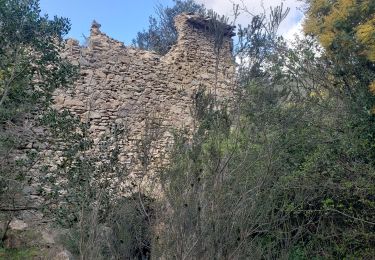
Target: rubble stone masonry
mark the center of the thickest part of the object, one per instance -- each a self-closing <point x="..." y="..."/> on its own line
<point x="120" y="85"/>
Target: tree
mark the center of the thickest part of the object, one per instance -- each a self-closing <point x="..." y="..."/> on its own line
<point x="292" y="177"/>
<point x="345" y="28"/>
<point x="343" y="25"/>
<point x="30" y="64"/>
<point x="211" y="209"/>
<point x="161" y="34"/>
<point x="30" y="69"/>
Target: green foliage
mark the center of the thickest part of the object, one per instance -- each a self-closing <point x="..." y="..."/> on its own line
<point x="292" y="178"/>
<point x="19" y="254"/>
<point x="83" y="176"/>
<point x="131" y="224"/>
<point x="289" y="174"/>
<point x="343" y="25"/>
<point x="85" y="193"/>
<point x="30" y="70"/>
<point x="161" y="34"/>
<point x="31" y="67"/>
<point x="345" y="28"/>
<point x="192" y="187"/>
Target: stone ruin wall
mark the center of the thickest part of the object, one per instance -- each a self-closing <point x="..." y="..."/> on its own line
<point x="120" y="85"/>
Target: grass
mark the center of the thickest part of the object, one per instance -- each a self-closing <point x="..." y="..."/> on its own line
<point x="18" y="253"/>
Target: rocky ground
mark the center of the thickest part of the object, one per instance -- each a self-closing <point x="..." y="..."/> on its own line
<point x="33" y="241"/>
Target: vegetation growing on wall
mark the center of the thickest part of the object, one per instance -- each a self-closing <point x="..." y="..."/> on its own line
<point x="161" y="34"/>
<point x="294" y="176"/>
<point x="30" y="69"/>
<point x="286" y="173"/>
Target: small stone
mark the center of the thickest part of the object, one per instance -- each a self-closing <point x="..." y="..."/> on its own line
<point x="73" y="102"/>
<point x="48" y="237"/>
<point x="27" y="190"/>
<point x="59" y="100"/>
<point x="64" y="255"/>
<point x="100" y="74"/>
<point x="17" y="224"/>
<point x="94" y="115"/>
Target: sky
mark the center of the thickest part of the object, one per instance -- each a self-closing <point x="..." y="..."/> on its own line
<point x="290" y="26"/>
<point x="122" y="19"/>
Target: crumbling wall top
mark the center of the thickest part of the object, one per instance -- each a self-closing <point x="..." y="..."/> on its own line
<point x="124" y="86"/>
<point x="201" y="22"/>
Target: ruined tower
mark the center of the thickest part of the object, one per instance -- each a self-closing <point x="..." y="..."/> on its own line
<point x="120" y="85"/>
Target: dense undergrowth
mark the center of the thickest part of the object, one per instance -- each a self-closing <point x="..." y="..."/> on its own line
<point x="284" y="172"/>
